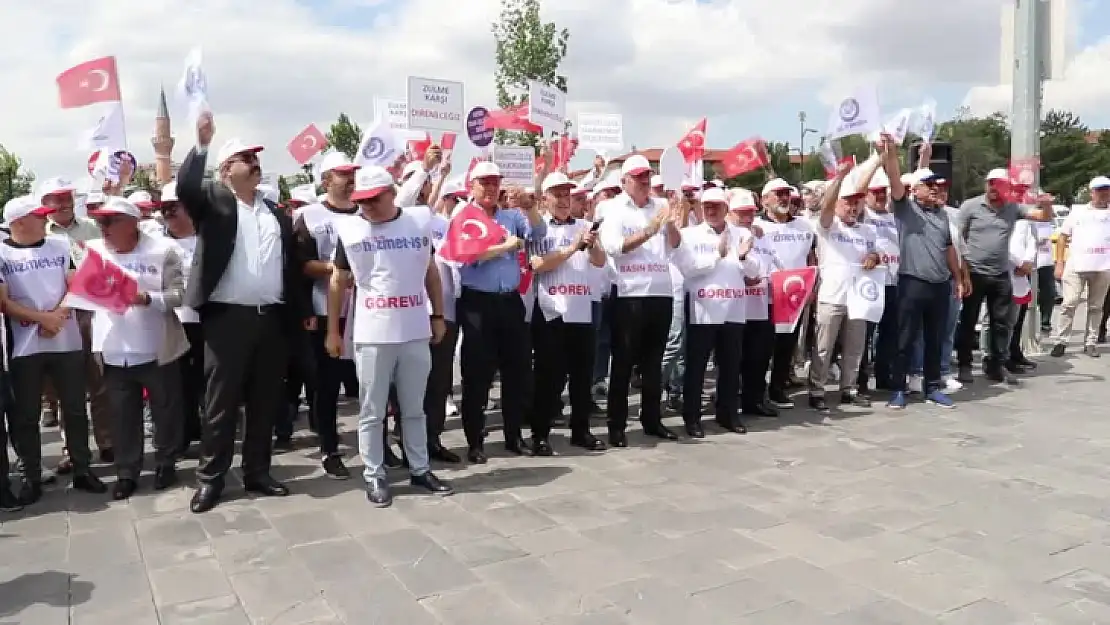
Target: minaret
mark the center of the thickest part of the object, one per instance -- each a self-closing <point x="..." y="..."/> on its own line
<point x="162" y="142"/>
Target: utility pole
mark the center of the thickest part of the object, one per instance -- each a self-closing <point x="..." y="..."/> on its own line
<point x="1030" y="56"/>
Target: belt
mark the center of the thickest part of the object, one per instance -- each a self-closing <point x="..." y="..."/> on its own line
<point x="467" y="290"/>
<point x="258" y="309"/>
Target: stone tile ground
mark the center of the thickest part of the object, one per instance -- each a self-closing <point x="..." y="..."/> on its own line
<point x="994" y="513"/>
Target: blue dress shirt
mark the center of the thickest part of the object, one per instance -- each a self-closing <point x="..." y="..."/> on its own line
<point x="501" y="274"/>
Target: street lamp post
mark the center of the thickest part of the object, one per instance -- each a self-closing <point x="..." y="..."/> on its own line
<point x="803" y="131"/>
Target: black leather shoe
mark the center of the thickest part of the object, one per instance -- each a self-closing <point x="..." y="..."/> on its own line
<point x="542" y="448"/>
<point x="695" y="430"/>
<point x="123" y="489"/>
<point x="377" y="493"/>
<point x="661" y="431"/>
<point x="587" y="441"/>
<point x="618" y="439"/>
<point x="761" y="410"/>
<point x="107" y="456"/>
<point x="432" y="484"/>
<point x="89" y="482"/>
<point x="29" y="493"/>
<point x="8" y="501"/>
<point x="517" y="446"/>
<point x="266" y="485"/>
<point x="476" y="455"/>
<point x="735" y="426"/>
<point x="164" y="477"/>
<point x="1025" y="362"/>
<point x="206" y="498"/>
<point x="442" y="454"/>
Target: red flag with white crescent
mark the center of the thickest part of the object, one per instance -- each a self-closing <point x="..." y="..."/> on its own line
<point x="469" y="234"/>
<point x="526" y="273"/>
<point x="790" y="290"/>
<point x="692" y="145"/>
<point x="308" y="143"/>
<point x="88" y="83"/>
<point x="748" y="155"/>
<point x="100" y="285"/>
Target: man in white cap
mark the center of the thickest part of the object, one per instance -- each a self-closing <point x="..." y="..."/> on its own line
<point x="247" y="286"/>
<point x="882" y="338"/>
<point x="639" y="233"/>
<point x="386" y="254"/>
<point x="607" y="188"/>
<point x="1083" y="264"/>
<point x="495" y="336"/>
<point x="562" y="326"/>
<point x="144" y="201"/>
<point x="57" y="194"/>
<point x="139" y="348"/>
<point x="986" y="223"/>
<point x="180" y="230"/>
<point x="45" y="343"/>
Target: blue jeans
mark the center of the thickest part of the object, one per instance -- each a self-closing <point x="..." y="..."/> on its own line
<point x="917" y="363"/>
<point x="674" y="354"/>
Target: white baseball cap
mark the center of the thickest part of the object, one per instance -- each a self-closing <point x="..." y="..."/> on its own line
<point x="370" y="182"/>
<point x="142" y="199"/>
<point x="336" y="161"/>
<point x="485" y="169"/>
<point x="926" y="175"/>
<point x="169" y="192"/>
<point x="1099" y="182"/>
<point x="635" y="165"/>
<point x="997" y="174"/>
<point x="268" y="193"/>
<point x="555" y="180"/>
<point x="95" y="197"/>
<point x="54" y="186"/>
<point x="742" y="200"/>
<point x="612" y="181"/>
<point x="580" y="189"/>
<point x="411" y="168"/>
<point x="22" y="206"/>
<point x="117" y="206"/>
<point x="303" y="193"/>
<point x="774" y="185"/>
<point x="714" y="194"/>
<point x="234" y="146"/>
<point x="879" y="181"/>
<point x="656" y="181"/>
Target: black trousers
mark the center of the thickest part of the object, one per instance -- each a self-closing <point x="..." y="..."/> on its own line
<point x="6" y="402"/>
<point x="1105" y="314"/>
<point x="324" y="409"/>
<point x="725" y="341"/>
<point x="755" y="357"/>
<point x="441" y="379"/>
<point x="884" y="341"/>
<point x="564" y="355"/>
<point x="863" y="376"/>
<point x="245" y="354"/>
<point x="640" y="328"/>
<point x="191" y="366"/>
<point x="998" y="293"/>
<point x="922" y="311"/>
<point x="495" y="338"/>
<point x="1046" y="295"/>
<point x="782" y="355"/>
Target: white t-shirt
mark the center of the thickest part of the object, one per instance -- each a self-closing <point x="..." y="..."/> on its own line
<point x="319" y="221"/>
<point x="715" y="284"/>
<point x="134" y="337"/>
<point x="787" y="244"/>
<point x="36" y="278"/>
<point x="645" y="271"/>
<point x="567" y="290"/>
<point x="840" y="253"/>
<point x="186" y="248"/>
<point x="1088" y="233"/>
<point x="1043" y="231"/>
<point x="389" y="261"/>
<point x="886" y="229"/>
<point x="448" y="272"/>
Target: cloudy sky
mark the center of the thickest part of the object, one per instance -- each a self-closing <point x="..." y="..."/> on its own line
<point x="749" y="65"/>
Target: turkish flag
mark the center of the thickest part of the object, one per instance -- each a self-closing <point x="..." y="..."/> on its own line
<point x="692" y="145"/>
<point x="88" y="83"/>
<point x="790" y="290"/>
<point x="562" y="151"/>
<point x="418" y="148"/>
<point x="469" y="234"/>
<point x="448" y="141"/>
<point x="844" y="160"/>
<point x="748" y="155"/>
<point x="307" y="144"/>
<point x="1023" y="175"/>
<point x="512" y="118"/>
<point x="525" y="273"/>
<point x="100" y="285"/>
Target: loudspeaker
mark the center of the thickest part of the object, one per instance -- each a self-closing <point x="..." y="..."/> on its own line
<point x="940" y="162"/>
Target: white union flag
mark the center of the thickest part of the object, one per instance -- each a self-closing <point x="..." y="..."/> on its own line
<point x="867" y="295"/>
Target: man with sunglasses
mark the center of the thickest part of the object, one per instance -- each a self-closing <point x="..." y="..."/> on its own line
<point x="247" y="287"/>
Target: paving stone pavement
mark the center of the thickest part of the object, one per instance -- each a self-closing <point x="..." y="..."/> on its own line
<point x="994" y="513"/>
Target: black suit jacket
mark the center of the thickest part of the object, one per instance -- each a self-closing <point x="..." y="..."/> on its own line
<point x="215" y="213"/>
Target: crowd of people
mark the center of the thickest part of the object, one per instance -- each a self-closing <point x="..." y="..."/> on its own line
<point x="625" y="285"/>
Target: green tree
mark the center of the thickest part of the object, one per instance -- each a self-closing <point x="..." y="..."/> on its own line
<point x="1068" y="159"/>
<point x="344" y="135"/>
<point x="527" y="48"/>
<point x="283" y="189"/>
<point x="14" y="180"/>
<point x="143" y="180"/>
<point x="979" y="144"/>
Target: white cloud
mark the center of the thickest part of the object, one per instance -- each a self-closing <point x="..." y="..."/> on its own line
<point x="1084" y="89"/>
<point x="275" y="66"/>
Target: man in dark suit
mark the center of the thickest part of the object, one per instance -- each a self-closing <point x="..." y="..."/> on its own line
<point x="245" y="284"/>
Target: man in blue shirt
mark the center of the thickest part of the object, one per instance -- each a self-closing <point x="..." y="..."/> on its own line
<point x="491" y="315"/>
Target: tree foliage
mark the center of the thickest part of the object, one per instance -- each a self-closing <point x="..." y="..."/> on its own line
<point x="344" y="135"/>
<point x="143" y="180"/>
<point x="527" y="48"/>
<point x="14" y="180"/>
